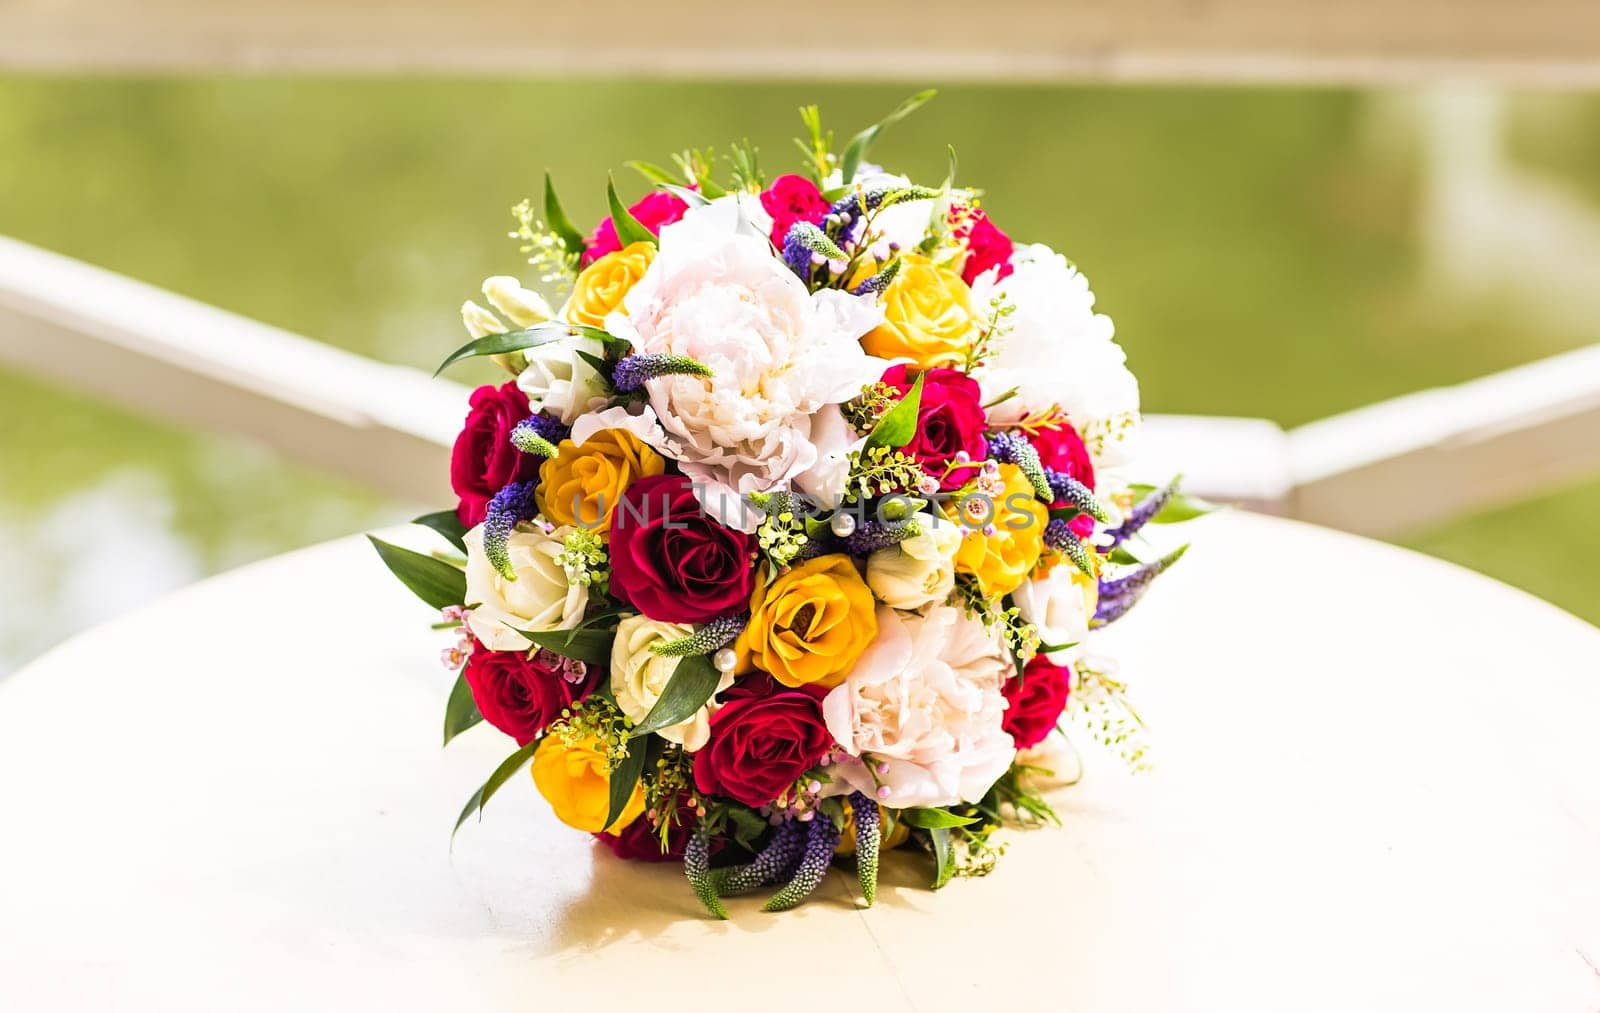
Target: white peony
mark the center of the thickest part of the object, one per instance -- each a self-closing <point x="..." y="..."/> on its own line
<point x="541" y="598"/>
<point x="639" y="676"/>
<point x="779" y="354"/>
<point x="559" y="379"/>
<point x="1059" y="605"/>
<point x="1059" y="352"/>
<point x="922" y="708"/>
<point x="920" y="570"/>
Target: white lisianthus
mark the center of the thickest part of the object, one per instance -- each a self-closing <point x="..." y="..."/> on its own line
<point x="922" y="712"/>
<point x="540" y="599"/>
<point x="778" y="354"/>
<point x="639" y="676"/>
<point x="1059" y="606"/>
<point x="920" y="570"/>
<point x="1057" y="351"/>
<point x="563" y="382"/>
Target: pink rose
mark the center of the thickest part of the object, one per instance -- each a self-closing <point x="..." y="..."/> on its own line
<point x="483" y="461"/>
<point x="950" y="421"/>
<point x="987" y="246"/>
<point x="1035" y="700"/>
<point x="792" y="199"/>
<point x="654" y="210"/>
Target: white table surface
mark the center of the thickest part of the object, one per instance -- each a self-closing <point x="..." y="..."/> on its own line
<point x="1377" y="785"/>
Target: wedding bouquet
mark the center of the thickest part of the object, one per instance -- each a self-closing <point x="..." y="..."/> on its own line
<point x="785" y="536"/>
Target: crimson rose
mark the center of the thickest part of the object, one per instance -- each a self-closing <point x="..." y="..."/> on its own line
<point x="654" y="210"/>
<point x="1035" y="701"/>
<point x="792" y="199"/>
<point x="483" y="460"/>
<point x="760" y="744"/>
<point x="1061" y="448"/>
<point x="950" y="421"/>
<point x="640" y="841"/>
<point x="986" y="247"/>
<point x="670" y="560"/>
<point x="520" y="696"/>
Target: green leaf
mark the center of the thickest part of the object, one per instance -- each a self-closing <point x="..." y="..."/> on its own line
<point x="944" y="856"/>
<point x="527" y="337"/>
<point x="624" y="778"/>
<point x="950" y="175"/>
<point x="433" y="580"/>
<point x="1120" y="554"/>
<point x="600" y="365"/>
<point x="898" y="426"/>
<point x="555" y="216"/>
<point x="691" y="685"/>
<point x="592" y="647"/>
<point x="503" y="773"/>
<point x="856" y="150"/>
<point x="654" y="173"/>
<point x="935" y="819"/>
<point x="693" y="198"/>
<point x="629" y="229"/>
<point x="461" y="712"/>
<point x="447" y="524"/>
<point x="1181" y="507"/>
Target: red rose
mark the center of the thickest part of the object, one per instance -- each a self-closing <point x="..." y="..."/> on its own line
<point x="950" y="421"/>
<point x="655" y="209"/>
<point x="760" y="745"/>
<point x="986" y="247"/>
<point x="1061" y="448"/>
<point x="670" y="560"/>
<point x="483" y="461"/>
<point x="1035" y="701"/>
<point x="792" y="199"/>
<point x="520" y="696"/>
<point x="640" y="841"/>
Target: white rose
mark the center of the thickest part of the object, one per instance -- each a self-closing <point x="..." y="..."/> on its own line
<point x="639" y="676"/>
<point x="923" y="708"/>
<point x="920" y="570"/>
<point x="1059" y="605"/>
<point x="1059" y="352"/>
<point x="561" y="381"/>
<point x="539" y="599"/>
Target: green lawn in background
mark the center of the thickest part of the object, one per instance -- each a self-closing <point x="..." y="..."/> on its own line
<point x="1258" y="249"/>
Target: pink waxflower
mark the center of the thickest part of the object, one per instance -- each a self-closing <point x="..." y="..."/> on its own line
<point x="792" y="199"/>
<point x="654" y="210"/>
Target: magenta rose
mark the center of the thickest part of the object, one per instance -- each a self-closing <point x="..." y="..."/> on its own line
<point x="671" y="561"/>
<point x="521" y="696"/>
<point x="792" y="199"/>
<point x="1061" y="448"/>
<point x="1034" y="701"/>
<point x="987" y="247"/>
<point x="654" y="210"/>
<point x="640" y="841"/>
<point x="483" y="460"/>
<point x="950" y="421"/>
<point x="760" y="744"/>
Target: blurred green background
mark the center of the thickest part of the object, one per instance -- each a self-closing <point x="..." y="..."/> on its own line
<point x="1278" y="253"/>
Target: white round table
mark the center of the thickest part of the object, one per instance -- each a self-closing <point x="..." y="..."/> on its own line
<point x="1376" y="785"/>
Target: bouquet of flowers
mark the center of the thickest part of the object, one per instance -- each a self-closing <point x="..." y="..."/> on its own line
<point x="785" y="536"/>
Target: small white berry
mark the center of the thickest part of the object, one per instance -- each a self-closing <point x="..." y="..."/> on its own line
<point x="844" y="524"/>
<point x="725" y="660"/>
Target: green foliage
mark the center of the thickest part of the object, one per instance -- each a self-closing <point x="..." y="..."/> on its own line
<point x="433" y="580"/>
<point x="629" y="229"/>
<point x="447" y="524"/>
<point x="625" y="775"/>
<point x="1181" y="507"/>
<point x="898" y="426"/>
<point x="934" y="819"/>
<point x="691" y="685"/>
<point x="590" y="646"/>
<point x="527" y="337"/>
<point x="944" y="856"/>
<point x="857" y="149"/>
<point x="461" y="712"/>
<point x="555" y="216"/>
<point x="503" y="773"/>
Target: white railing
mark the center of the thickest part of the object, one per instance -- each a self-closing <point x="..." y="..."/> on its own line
<point x="1380" y="469"/>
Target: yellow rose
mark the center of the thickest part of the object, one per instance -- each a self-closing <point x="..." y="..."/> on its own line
<point x="600" y="287"/>
<point x="576" y="781"/>
<point x="810" y="625"/>
<point x="927" y="316"/>
<point x="847" y="832"/>
<point x="581" y="485"/>
<point x="1001" y="561"/>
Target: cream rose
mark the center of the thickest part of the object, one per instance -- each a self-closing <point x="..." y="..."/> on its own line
<point x="539" y="599"/>
<point x="639" y="676"/>
<point x="1059" y="605"/>
<point x="920" y="570"/>
<point x="922" y="710"/>
<point x="560" y="380"/>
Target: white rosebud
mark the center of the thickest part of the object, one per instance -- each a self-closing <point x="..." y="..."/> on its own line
<point x="1059" y="605"/>
<point x="639" y="676"/>
<point x="480" y="322"/>
<point x="540" y="599"/>
<point x="919" y="570"/>
<point x="563" y="382"/>
<point x="522" y="306"/>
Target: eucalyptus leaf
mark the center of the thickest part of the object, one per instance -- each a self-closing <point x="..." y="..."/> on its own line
<point x="433" y="580"/>
<point x="503" y="773"/>
<point x="1181" y="507"/>
<point x="691" y="685"/>
<point x="944" y="856"/>
<point x="856" y="150"/>
<point x="935" y="819"/>
<point x="555" y="216"/>
<point x="446" y="523"/>
<point x="898" y="426"/>
<point x="693" y="198"/>
<point x="629" y="229"/>
<point x="461" y="712"/>
<point x="625" y="778"/>
<point x="527" y="337"/>
<point x="592" y="647"/>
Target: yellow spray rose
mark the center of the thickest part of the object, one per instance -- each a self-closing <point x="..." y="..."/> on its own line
<point x="810" y="625"/>
<point x="600" y="287"/>
<point x="847" y="833"/>
<point x="1001" y="560"/>
<point x="581" y="485"/>
<point x="575" y="780"/>
<point x="927" y="316"/>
